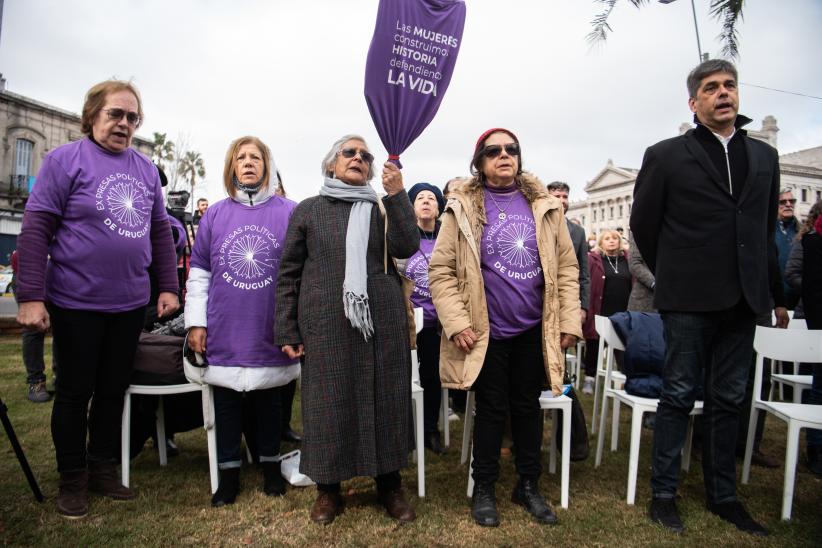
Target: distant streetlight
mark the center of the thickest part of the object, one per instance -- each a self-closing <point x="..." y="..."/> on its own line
<point x="702" y="56"/>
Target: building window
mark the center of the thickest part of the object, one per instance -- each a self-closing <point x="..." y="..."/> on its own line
<point x="582" y="219"/>
<point x="602" y="214"/>
<point x="595" y="215"/>
<point x="804" y="195"/>
<point x="22" y="163"/>
<point x="818" y="195"/>
<point x="621" y="212"/>
<point x="611" y="212"/>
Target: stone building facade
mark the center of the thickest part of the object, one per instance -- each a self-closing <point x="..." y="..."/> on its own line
<point x="610" y="192"/>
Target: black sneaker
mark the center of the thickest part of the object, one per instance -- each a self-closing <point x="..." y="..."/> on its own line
<point x="484" y="505"/>
<point x="664" y="512"/>
<point x="526" y="494"/>
<point x="734" y="512"/>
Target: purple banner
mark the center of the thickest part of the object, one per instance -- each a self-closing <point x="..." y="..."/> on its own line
<point x="409" y="66"/>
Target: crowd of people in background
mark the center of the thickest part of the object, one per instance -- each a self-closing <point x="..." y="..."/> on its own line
<point x="323" y="291"/>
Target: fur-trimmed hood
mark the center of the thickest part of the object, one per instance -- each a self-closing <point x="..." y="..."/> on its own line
<point x="471" y="198"/>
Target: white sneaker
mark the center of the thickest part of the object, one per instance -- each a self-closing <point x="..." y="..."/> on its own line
<point x="588" y="386"/>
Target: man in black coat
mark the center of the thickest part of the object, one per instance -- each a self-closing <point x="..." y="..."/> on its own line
<point x="703" y="218"/>
<point x="560" y="190"/>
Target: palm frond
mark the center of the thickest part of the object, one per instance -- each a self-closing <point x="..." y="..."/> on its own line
<point x="728" y="12"/>
<point x="601" y="28"/>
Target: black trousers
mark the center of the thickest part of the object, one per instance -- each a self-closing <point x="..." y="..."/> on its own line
<point x="428" y="352"/>
<point x="265" y="406"/>
<point x="95" y="351"/>
<point x="510" y="381"/>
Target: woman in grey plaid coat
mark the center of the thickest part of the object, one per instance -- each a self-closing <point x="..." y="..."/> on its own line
<point x="340" y="305"/>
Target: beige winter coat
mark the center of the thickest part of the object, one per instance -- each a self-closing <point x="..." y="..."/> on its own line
<point x="458" y="291"/>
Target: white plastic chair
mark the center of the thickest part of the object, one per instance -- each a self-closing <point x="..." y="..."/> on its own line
<point x="417" y="399"/>
<point x="779" y="367"/>
<point x="573" y="362"/>
<point x="195" y="384"/>
<point x="788" y="345"/>
<point x="799" y="383"/>
<point x="639" y="406"/>
<point x="547" y="402"/>
<point x="617" y="378"/>
<point x="444" y="419"/>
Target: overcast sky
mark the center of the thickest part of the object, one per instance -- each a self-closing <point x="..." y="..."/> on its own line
<point x="292" y="73"/>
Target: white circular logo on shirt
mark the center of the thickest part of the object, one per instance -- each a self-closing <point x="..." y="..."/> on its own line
<point x="127" y="202"/>
<point x="512" y="243"/>
<point x="248" y="255"/>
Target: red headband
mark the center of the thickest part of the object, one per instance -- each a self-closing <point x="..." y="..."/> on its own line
<point x="485" y="135"/>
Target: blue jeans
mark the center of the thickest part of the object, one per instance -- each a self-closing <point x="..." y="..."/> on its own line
<point x="228" y="410"/>
<point x="720" y="345"/>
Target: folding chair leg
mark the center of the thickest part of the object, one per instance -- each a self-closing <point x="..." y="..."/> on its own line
<point x="467" y="427"/>
<point x="470" y="490"/>
<point x="566" y="456"/>
<point x="552" y="450"/>
<point x="125" y="440"/>
<point x="446" y="425"/>
<point x="601" y="433"/>
<point x="596" y="403"/>
<point x="791" y="453"/>
<point x="161" y="432"/>
<point x="211" y="436"/>
<point x="633" y="459"/>
<point x="746" y="463"/>
<point x="686" y="449"/>
<point x="615" y="425"/>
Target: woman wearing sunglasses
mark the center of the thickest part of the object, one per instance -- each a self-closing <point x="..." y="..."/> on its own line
<point x="97" y="211"/>
<point x="340" y="305"/>
<point x="230" y="312"/>
<point x="504" y="279"/>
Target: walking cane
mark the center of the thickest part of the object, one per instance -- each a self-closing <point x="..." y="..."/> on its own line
<point x="21" y="457"/>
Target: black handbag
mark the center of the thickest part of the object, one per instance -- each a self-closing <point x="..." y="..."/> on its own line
<point x="579" y="428"/>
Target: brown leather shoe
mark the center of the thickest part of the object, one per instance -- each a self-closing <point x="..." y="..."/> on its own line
<point x="398" y="508"/>
<point x="104" y="480"/>
<point x="327" y="507"/>
<point x="72" y="497"/>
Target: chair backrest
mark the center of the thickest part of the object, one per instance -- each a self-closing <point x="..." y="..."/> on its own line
<point x="786" y="345"/>
<point x="610" y="341"/>
<point x="797" y="323"/>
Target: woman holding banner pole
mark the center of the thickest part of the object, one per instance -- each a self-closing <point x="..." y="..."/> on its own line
<point x="504" y="279"/>
<point x="340" y="305"/>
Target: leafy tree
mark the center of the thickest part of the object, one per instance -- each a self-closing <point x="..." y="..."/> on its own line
<point x="163" y="150"/>
<point x="726" y="11"/>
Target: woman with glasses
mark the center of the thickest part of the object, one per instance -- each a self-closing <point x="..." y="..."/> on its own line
<point x="230" y="312"/>
<point x="504" y="279"/>
<point x="340" y="305"/>
<point x="97" y="211"/>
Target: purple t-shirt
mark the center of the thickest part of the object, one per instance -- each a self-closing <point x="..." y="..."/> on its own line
<point x="241" y="247"/>
<point x="511" y="270"/>
<point x="417" y="270"/>
<point x="107" y="203"/>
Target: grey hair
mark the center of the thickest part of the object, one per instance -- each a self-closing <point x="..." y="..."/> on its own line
<point x="331" y="156"/>
<point x="785" y="190"/>
<point x="705" y="69"/>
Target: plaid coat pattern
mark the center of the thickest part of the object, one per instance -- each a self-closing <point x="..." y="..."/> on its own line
<point x="356" y="394"/>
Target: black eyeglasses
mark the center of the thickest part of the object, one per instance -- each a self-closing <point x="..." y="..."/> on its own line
<point x="792" y="201"/>
<point x="132" y="118"/>
<point x="366" y="156"/>
<point x="492" y="151"/>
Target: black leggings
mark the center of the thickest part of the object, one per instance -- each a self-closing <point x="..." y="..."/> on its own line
<point x="95" y="351"/>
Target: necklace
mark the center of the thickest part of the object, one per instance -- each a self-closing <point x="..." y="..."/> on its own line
<point x="502" y="216"/>
<point x="614" y="264"/>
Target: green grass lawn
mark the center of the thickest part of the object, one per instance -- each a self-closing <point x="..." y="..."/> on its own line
<point x="172" y="505"/>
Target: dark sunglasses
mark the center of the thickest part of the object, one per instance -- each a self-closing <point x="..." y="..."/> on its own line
<point x="366" y="156"/>
<point x="132" y="118"/>
<point x="492" y="151"/>
<point x="792" y="201"/>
